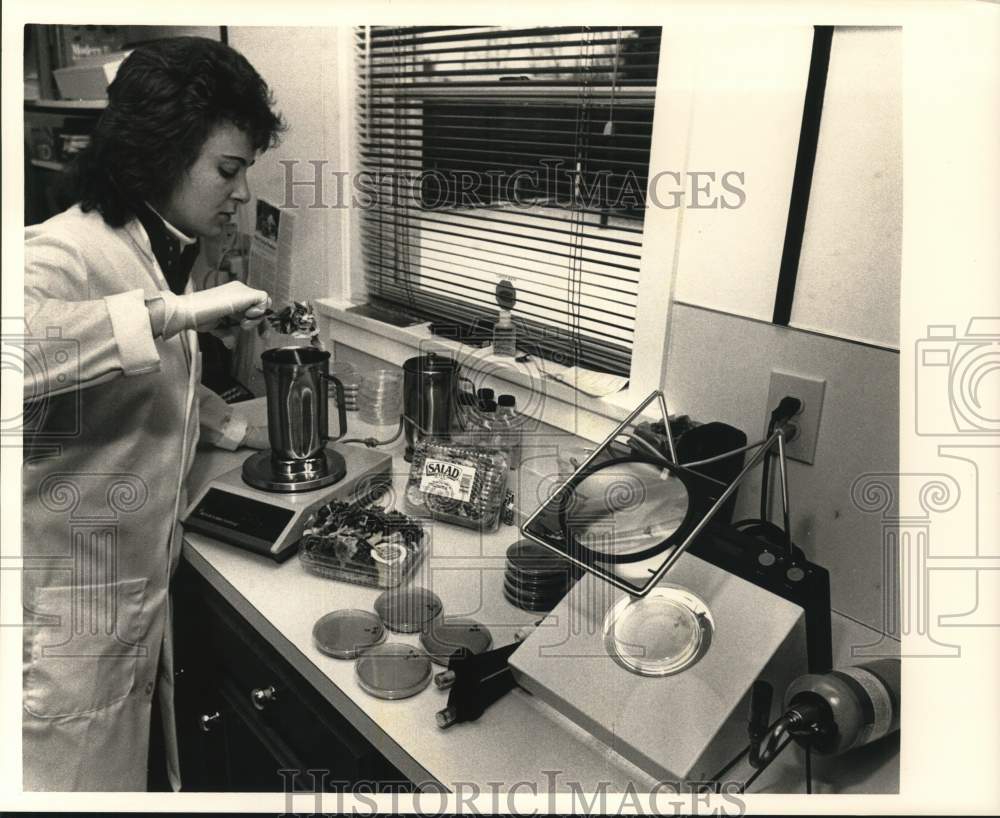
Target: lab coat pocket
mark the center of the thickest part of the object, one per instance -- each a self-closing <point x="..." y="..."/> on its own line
<point x="83" y="647"/>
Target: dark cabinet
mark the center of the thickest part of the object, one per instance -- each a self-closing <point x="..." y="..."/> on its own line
<point x="246" y="719"/>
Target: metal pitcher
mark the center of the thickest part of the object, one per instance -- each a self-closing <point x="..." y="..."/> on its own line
<point x="296" y="379"/>
<point x="430" y="384"/>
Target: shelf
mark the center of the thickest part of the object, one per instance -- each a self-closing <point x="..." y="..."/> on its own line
<point x="47" y="164"/>
<point x="59" y="105"/>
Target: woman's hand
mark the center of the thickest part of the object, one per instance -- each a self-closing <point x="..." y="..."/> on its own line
<point x="256" y="438"/>
<point x="205" y="309"/>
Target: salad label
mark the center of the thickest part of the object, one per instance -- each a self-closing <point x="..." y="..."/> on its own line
<point x="447" y="479"/>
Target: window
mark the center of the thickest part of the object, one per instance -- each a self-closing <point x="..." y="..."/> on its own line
<point x="496" y="154"/>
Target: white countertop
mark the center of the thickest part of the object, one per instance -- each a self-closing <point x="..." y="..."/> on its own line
<point x="519" y="739"/>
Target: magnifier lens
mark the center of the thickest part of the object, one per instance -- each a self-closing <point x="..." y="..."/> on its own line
<point x="626" y="508"/>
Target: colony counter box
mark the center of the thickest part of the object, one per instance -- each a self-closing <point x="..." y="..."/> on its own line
<point x="677" y="727"/>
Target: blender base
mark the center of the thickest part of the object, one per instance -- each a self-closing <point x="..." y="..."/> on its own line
<point x="259" y="472"/>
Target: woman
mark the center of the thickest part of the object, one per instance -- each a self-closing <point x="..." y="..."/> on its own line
<point x="116" y="403"/>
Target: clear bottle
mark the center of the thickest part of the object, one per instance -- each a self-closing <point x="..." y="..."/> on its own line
<point x="474" y="417"/>
<point x="490" y="433"/>
<point x="504" y="336"/>
<point x="511" y="428"/>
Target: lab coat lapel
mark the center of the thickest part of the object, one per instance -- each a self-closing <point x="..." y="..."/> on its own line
<point x="140" y="237"/>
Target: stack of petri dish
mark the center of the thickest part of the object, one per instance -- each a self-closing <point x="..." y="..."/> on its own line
<point x="349" y="376"/>
<point x="536" y="578"/>
<point x="380" y="398"/>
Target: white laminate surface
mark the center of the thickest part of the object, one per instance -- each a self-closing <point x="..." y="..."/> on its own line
<point x="519" y="739"/>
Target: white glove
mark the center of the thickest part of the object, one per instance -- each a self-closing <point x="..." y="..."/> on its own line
<point x="257" y="438"/>
<point x="204" y="309"/>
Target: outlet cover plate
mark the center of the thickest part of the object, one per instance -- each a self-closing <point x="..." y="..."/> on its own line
<point x="810" y="391"/>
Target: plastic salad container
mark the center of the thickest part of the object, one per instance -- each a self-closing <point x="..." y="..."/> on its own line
<point x="364" y="545"/>
<point x="462" y="484"/>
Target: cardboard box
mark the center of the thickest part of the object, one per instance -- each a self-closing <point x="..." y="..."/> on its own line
<point x="90" y="77"/>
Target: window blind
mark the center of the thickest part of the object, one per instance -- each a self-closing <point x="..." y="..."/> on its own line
<point x="518" y="154"/>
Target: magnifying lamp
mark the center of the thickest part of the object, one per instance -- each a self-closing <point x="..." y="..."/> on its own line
<point x="627" y="515"/>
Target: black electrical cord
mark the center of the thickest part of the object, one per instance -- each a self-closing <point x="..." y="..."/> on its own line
<point x="372" y="442"/>
<point x="786" y="409"/>
<point x="717" y="778"/>
<point x="757" y="773"/>
<point x="765" y="481"/>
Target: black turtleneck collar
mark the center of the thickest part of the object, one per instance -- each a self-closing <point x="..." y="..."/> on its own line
<point x="174" y="259"/>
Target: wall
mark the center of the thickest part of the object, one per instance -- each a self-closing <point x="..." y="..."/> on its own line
<point x="748" y="92"/>
<point x="718" y="368"/>
<point x="849" y="271"/>
<point x="302" y="66"/>
<point x="722" y="345"/>
<point x="746" y="118"/>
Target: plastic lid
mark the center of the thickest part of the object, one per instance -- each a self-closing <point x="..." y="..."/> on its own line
<point x="531" y="559"/>
<point x="393" y="671"/>
<point x="547" y="597"/>
<point x="408" y="610"/>
<point x="660" y="634"/>
<point x="507" y="400"/>
<point x="444" y="636"/>
<point x="345" y="634"/>
<point x="538" y="582"/>
<point x="529" y="605"/>
<point x="391" y="554"/>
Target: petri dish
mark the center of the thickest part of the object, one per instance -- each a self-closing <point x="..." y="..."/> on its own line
<point x="534" y="597"/>
<point x="660" y="634"/>
<point x="408" y="610"/>
<point x="531" y="559"/>
<point x="445" y="636"/>
<point x="393" y="670"/>
<point x="538" y="583"/>
<point x="345" y="634"/>
<point x="529" y="605"/>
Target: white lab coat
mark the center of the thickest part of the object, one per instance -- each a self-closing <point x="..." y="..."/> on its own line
<point x="109" y="440"/>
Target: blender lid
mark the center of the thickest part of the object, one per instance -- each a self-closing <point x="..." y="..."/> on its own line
<point x="660" y="634"/>
<point x="346" y="633"/>
<point x="408" y="610"/>
<point x="445" y="636"/>
<point x="393" y="670"/>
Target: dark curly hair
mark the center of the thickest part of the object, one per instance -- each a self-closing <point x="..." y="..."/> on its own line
<point x="165" y="100"/>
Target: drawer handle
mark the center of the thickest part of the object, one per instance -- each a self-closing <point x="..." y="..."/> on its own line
<point x="206" y="722"/>
<point x="261" y="697"/>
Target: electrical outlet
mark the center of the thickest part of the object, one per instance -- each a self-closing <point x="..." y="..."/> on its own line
<point x="810" y="392"/>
